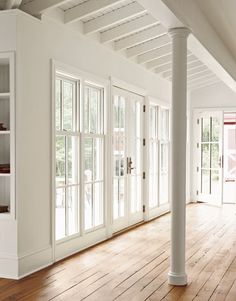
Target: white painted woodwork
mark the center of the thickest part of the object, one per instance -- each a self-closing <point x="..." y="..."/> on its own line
<point x="203" y="84"/>
<point x="12" y="4"/>
<point x="197" y="70"/>
<point x="127" y="28"/>
<point x="37" y="7"/>
<point x="202" y="77"/>
<point x="160" y="61"/>
<point x="194" y="64"/>
<point x="177" y="274"/>
<point x="200" y="74"/>
<point x="154" y="54"/>
<point x="147" y="46"/>
<point x="140" y="37"/>
<point x="164" y="68"/>
<point x="88" y="8"/>
<point x="113" y="17"/>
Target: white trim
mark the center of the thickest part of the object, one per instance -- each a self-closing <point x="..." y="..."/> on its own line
<point x="118" y="83"/>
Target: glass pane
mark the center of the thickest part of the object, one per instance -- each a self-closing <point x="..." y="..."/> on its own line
<point x="58" y="105"/>
<point x="122" y="114"/>
<point x="164" y="157"/>
<point x="136" y="192"/>
<point x="72" y="160"/>
<point x="68" y="106"/>
<point x="88" y="159"/>
<point x="60" y="214"/>
<point x="118" y="196"/>
<point x="215" y="182"/>
<point x="153" y="122"/>
<point x="60" y="161"/>
<point x="215" y="129"/>
<point x="94" y="103"/>
<point x="98" y="159"/>
<point x="164" y="194"/>
<point x="215" y="155"/>
<point x="153" y="158"/>
<point x="165" y="125"/>
<point x="153" y="191"/>
<point x="119" y="156"/>
<point x="72" y="207"/>
<point x="205" y="156"/>
<point x="88" y="206"/>
<point x="86" y="110"/>
<point x="205" y="129"/>
<point x="98" y="204"/>
<point x="205" y="181"/>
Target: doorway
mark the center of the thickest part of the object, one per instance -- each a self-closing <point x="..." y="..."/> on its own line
<point x="127" y="160"/>
<point x="216" y="168"/>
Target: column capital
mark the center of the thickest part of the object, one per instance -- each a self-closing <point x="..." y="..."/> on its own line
<point x="180" y="32"/>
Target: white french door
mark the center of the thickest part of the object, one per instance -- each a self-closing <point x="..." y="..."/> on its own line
<point x="127" y="159"/>
<point x="210" y="158"/>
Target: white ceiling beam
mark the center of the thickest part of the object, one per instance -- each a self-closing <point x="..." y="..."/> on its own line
<point x="88" y="8"/>
<point x="37" y="7"/>
<point x="154" y="54"/>
<point x="160" y="61"/>
<point x="195" y="64"/>
<point x="202" y="78"/>
<point x="205" y="84"/>
<point x="166" y="59"/>
<point x="197" y="70"/>
<point x="113" y="17"/>
<point x="140" y="37"/>
<point x="164" y="68"/>
<point x="127" y="28"/>
<point x="203" y="81"/>
<point x="203" y="74"/>
<point x="147" y="46"/>
<point x="12" y="4"/>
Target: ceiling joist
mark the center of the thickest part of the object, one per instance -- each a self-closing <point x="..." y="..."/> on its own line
<point x="127" y="28"/>
<point x="37" y="7"/>
<point x="140" y="37"/>
<point x="147" y="46"/>
<point x="154" y="54"/>
<point x="164" y="68"/>
<point x="88" y="8"/>
<point x="113" y="17"/>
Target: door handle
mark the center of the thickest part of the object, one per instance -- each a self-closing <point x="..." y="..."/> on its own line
<point x="129" y="165"/>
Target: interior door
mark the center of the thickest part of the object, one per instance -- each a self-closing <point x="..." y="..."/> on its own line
<point x="127" y="159"/>
<point x="210" y="167"/>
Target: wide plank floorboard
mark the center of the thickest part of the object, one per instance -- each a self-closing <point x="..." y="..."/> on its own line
<point x="134" y="265"/>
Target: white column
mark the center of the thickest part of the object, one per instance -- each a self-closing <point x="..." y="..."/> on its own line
<point x="177" y="274"/>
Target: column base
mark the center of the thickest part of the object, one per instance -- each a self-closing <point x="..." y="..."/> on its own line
<point x="177" y="279"/>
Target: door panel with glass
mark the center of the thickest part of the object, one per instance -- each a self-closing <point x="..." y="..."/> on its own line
<point x="210" y="161"/>
<point x="79" y="156"/>
<point x="127" y="159"/>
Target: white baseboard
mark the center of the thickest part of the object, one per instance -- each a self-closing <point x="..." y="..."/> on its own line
<point x="35" y="261"/>
<point x="8" y="266"/>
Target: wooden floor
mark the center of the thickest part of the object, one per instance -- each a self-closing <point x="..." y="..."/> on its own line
<point x="134" y="265"/>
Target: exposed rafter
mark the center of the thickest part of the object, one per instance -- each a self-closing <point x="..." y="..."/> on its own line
<point x="199" y="85"/>
<point x="37" y="7"/>
<point x="160" y="61"/>
<point x="88" y="8"/>
<point x="164" y="68"/>
<point x="197" y="70"/>
<point x="154" y="54"/>
<point x="147" y="46"/>
<point x="206" y="73"/>
<point x="201" y="78"/>
<point x="140" y="37"/>
<point x="128" y="28"/>
<point x="114" y="17"/>
<point x="12" y="4"/>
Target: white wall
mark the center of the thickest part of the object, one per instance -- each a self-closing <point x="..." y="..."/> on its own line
<point x="37" y="43"/>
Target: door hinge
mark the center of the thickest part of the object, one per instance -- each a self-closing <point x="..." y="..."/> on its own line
<point x="144" y="142"/>
<point x="197" y="145"/>
<point x="197" y="192"/>
<point x="144" y="109"/>
<point x="144" y="175"/>
<point x="197" y="169"/>
<point x="144" y="208"/>
<point x="198" y="121"/>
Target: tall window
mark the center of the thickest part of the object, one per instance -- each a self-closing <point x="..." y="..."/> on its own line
<point x="93" y="149"/>
<point x="67" y="154"/>
<point x="164" y="156"/>
<point x="153" y="156"/>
